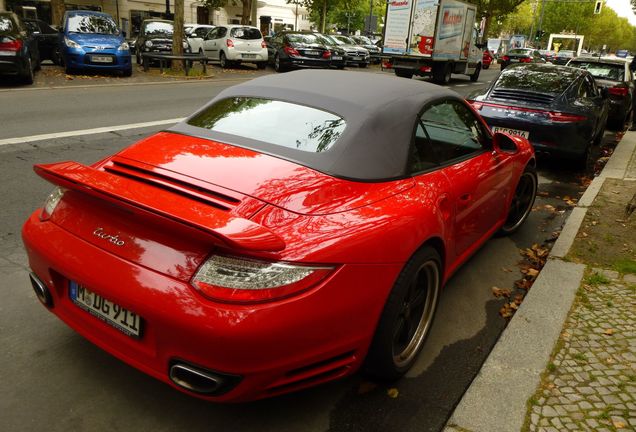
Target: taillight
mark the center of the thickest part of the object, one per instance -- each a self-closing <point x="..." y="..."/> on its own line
<point x="386" y="64"/>
<point x="11" y="45"/>
<point x="525" y="60"/>
<point x="229" y="43"/>
<point x="505" y="58"/>
<point x="50" y="203"/>
<point x="263" y="44"/>
<point x="618" y="91"/>
<point x="291" y="51"/>
<point x="243" y="280"/>
<point x="326" y="54"/>
<point x="476" y="105"/>
<point x="554" y="116"/>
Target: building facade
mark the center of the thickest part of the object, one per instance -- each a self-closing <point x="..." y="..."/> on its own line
<point x="271" y="15"/>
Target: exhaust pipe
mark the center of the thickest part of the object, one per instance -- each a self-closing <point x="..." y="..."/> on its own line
<point x="41" y="290"/>
<point x="194" y="379"/>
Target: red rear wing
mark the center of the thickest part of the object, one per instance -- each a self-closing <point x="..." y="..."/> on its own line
<point x="236" y="232"/>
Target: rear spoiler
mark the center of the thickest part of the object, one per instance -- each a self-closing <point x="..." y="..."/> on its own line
<point x="236" y="232"/>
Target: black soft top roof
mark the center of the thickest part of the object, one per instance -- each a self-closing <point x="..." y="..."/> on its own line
<point x="380" y="113"/>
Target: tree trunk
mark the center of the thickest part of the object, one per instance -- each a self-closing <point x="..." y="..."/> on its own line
<point x="57" y="11"/>
<point x="177" y="36"/>
<point x="323" y="17"/>
<point x="247" y="11"/>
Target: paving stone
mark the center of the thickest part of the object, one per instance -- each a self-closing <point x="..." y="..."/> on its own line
<point x="585" y="405"/>
<point x="630" y="279"/>
<point x="611" y="399"/>
<point x="592" y="423"/>
<point x="548" y="411"/>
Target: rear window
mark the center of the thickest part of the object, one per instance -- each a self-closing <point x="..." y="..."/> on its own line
<point x="303" y="38"/>
<point x="544" y="80"/>
<point x="607" y="71"/>
<point x="245" y="33"/>
<point x="565" y="54"/>
<point x="93" y="24"/>
<point x="519" y="52"/>
<point x="6" y="25"/>
<point x="275" y="122"/>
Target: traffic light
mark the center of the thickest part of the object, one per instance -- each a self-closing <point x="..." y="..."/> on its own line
<point x="598" y="6"/>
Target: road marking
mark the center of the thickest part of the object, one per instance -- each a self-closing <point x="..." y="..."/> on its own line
<point x="27" y="139"/>
<point x="460" y="85"/>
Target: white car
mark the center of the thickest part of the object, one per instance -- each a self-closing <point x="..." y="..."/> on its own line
<point x="196" y="33"/>
<point x="233" y="44"/>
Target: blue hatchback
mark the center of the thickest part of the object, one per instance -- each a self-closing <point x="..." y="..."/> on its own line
<point x="91" y="41"/>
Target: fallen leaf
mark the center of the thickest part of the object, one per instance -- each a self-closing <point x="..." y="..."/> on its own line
<point x="543" y="194"/>
<point x="501" y="292"/>
<point x="584" y="234"/>
<point x="594" y="223"/>
<point x="609" y="332"/>
<point x="393" y="393"/>
<point x="506" y="269"/>
<point x="618" y="424"/>
<point x="513" y="305"/>
<point x="566" y="335"/>
<point x="549" y="207"/>
<point x="518" y="299"/>
<point x="506" y="311"/>
<point x="610" y="360"/>
<point x="523" y="284"/>
<point x="533" y="273"/>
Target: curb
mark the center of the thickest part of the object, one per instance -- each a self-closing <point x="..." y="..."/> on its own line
<point x="496" y="399"/>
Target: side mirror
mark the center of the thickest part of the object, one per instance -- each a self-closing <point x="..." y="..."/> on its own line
<point x="504" y="143"/>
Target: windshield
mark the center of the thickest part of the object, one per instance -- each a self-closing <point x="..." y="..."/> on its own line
<point x="304" y="38"/>
<point x="565" y="54"/>
<point x="275" y="122"/>
<point x="608" y="71"/>
<point x="544" y="80"/>
<point x="245" y="33"/>
<point x="95" y="24"/>
<point x="344" y="39"/>
<point x="6" y="25"/>
<point x="363" y="40"/>
<point x="159" y="28"/>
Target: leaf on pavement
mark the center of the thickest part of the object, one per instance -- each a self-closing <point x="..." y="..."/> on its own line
<point x="501" y="292"/>
<point x="609" y="332"/>
<point x="619" y="424"/>
<point x="523" y="284"/>
<point x="549" y="207"/>
<point x="393" y="393"/>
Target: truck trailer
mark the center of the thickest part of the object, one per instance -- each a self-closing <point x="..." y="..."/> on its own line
<point x="432" y="38"/>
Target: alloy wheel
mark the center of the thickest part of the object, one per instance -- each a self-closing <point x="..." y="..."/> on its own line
<point x="522" y="201"/>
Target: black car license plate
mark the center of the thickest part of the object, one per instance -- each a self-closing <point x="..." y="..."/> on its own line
<point x="111" y="313"/>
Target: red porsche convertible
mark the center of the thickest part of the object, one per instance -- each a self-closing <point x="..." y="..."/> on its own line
<point x="293" y="230"/>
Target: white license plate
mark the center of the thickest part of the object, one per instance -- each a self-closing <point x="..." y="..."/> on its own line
<point x="336" y="58"/>
<point x="356" y="58"/>
<point x="122" y="319"/>
<point x="513" y="132"/>
<point x="514" y="60"/>
<point x="101" y="59"/>
<point x="248" y="55"/>
<point x="8" y="53"/>
<point x="310" y="52"/>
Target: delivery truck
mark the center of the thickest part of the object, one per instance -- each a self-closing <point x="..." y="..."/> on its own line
<point x="431" y="38"/>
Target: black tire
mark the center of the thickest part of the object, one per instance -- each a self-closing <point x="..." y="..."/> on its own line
<point x="363" y="65"/>
<point x="341" y="67"/>
<point x="278" y="66"/>
<point x="475" y="76"/>
<point x="407" y="316"/>
<point x="404" y="73"/>
<point x="261" y="65"/>
<point x="127" y="72"/>
<point x="138" y="57"/>
<point x="223" y="62"/>
<point x="442" y="73"/>
<point x="28" y="76"/>
<point x="486" y="67"/>
<point x="522" y="201"/>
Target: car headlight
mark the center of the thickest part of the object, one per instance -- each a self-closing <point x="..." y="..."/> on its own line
<point x="51" y="202"/>
<point x="243" y="280"/>
<point x="123" y="47"/>
<point x="185" y="45"/>
<point x="149" y="43"/>
<point x="71" y="43"/>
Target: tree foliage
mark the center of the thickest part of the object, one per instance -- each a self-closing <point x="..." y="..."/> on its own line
<point x="246" y="6"/>
<point x="342" y="14"/>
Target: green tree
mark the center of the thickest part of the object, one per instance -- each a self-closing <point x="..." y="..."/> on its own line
<point x="246" y="6"/>
<point x="493" y="9"/>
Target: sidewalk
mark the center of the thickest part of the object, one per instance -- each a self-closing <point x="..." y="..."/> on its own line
<point x="567" y="360"/>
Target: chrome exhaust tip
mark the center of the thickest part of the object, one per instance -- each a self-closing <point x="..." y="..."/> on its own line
<point x="194" y="379"/>
<point x="41" y="290"/>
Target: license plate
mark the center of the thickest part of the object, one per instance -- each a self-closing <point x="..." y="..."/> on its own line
<point x="101" y="59"/>
<point x="336" y="58"/>
<point x="8" y="53"/>
<point x="513" y="132"/>
<point x="310" y="52"/>
<point x="356" y="58"/>
<point x="248" y="55"/>
<point x="514" y="60"/>
<point x="111" y="313"/>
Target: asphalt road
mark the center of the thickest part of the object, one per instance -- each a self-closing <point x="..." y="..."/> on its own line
<point x="54" y="380"/>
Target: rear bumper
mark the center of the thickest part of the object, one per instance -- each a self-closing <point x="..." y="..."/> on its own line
<point x="247" y="56"/>
<point x="13" y="65"/>
<point x="311" y="62"/>
<point x="275" y="348"/>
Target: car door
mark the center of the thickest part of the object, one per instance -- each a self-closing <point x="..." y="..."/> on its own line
<point x="589" y="102"/>
<point x="453" y="138"/>
<point x="208" y="42"/>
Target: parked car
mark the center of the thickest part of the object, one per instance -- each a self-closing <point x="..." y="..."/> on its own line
<point x="614" y="75"/>
<point x="91" y="41"/>
<point x="374" y="51"/>
<point x="547" y="55"/>
<point x="559" y="109"/>
<point x="563" y="57"/>
<point x="195" y="34"/>
<point x="155" y="36"/>
<point x="487" y="59"/>
<point x="287" y="50"/>
<point x="236" y="44"/>
<point x="521" y="55"/>
<point x="47" y="39"/>
<point x="338" y="54"/>
<point x="249" y="251"/>
<point x="19" y="55"/>
<point x="354" y="54"/>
